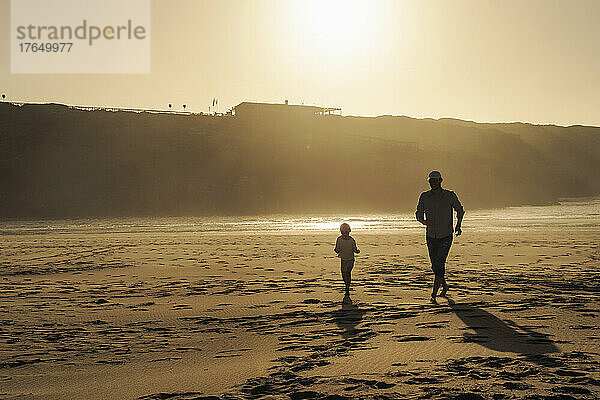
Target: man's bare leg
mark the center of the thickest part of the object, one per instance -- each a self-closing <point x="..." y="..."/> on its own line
<point x="444" y="286"/>
<point x="437" y="281"/>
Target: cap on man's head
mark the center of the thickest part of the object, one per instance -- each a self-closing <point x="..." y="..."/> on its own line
<point x="435" y="175"/>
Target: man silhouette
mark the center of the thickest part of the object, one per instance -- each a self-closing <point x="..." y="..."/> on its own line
<point x="434" y="210"/>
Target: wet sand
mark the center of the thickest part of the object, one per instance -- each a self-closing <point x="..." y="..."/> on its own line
<point x="159" y="315"/>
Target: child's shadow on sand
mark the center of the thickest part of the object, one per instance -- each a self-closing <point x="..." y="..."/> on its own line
<point x="348" y="317"/>
<point x="496" y="334"/>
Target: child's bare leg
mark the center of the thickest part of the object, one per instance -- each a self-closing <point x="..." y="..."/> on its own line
<point x="347" y="278"/>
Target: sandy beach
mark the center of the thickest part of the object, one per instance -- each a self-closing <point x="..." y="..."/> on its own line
<point x="171" y="314"/>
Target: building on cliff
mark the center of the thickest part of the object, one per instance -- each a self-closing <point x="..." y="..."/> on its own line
<point x="252" y="110"/>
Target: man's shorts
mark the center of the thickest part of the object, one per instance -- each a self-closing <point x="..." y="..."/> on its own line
<point x="438" y="252"/>
<point x="347" y="265"/>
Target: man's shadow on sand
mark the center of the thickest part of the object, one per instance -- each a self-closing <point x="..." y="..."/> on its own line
<point x="348" y="317"/>
<point x="499" y="335"/>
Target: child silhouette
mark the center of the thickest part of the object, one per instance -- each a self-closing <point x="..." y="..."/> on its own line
<point x="345" y="247"/>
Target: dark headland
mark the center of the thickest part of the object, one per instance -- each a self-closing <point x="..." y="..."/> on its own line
<point x="61" y="161"/>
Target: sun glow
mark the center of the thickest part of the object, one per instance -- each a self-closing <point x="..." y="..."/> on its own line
<point x="335" y="26"/>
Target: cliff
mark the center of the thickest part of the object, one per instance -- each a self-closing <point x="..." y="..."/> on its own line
<point x="58" y="161"/>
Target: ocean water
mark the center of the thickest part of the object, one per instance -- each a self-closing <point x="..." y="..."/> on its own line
<point x="575" y="212"/>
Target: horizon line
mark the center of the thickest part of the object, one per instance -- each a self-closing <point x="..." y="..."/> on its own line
<point x="201" y="113"/>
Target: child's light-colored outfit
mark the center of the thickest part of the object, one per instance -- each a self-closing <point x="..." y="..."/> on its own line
<point x="346" y="247"/>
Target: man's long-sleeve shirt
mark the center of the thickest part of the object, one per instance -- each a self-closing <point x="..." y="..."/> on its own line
<point x="437" y="209"/>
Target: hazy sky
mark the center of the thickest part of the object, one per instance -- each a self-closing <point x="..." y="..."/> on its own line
<point x="534" y="61"/>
